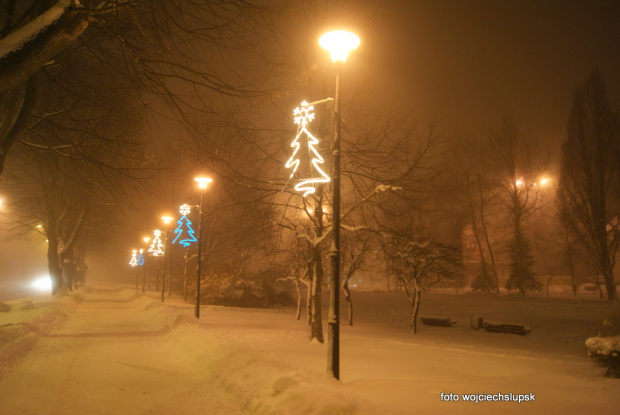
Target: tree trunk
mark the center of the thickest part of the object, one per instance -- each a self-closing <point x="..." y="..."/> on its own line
<point x="415" y="307"/>
<point x="316" y="288"/>
<point x="55" y="268"/>
<point x="608" y="275"/>
<point x="309" y="302"/>
<point x="18" y="107"/>
<point x="347" y="296"/>
<point x="569" y="256"/>
<point x="485" y="284"/>
<point x="485" y="232"/>
<point x="298" y="289"/>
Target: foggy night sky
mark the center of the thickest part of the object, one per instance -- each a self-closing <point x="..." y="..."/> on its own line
<point x="468" y="63"/>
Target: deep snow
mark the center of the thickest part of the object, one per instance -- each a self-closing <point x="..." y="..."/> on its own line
<point x="118" y="351"/>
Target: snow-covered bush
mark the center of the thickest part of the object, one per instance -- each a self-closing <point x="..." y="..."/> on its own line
<point x="605" y="350"/>
<point x="243" y="290"/>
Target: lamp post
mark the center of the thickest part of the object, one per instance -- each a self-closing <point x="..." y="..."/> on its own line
<point x="202" y="184"/>
<point x="167" y="220"/>
<point x="338" y="43"/>
<point x="146" y="240"/>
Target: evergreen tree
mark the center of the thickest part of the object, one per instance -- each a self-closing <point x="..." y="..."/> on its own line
<point x="522" y="276"/>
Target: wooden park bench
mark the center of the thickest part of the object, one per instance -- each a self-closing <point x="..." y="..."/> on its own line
<point x="437" y="321"/>
<point x="505" y="328"/>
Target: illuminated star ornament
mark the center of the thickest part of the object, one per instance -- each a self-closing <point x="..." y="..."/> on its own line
<point x="184" y="209"/>
<point x="303" y="117"/>
<point x="185" y="233"/>
<point x="156" y="248"/>
<point x="134" y="258"/>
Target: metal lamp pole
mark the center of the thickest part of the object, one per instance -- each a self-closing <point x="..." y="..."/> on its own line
<point x="202" y="184"/>
<point x="333" y="319"/>
<point x="166" y="220"/>
<point x="339" y="43"/>
<point x="146" y="240"/>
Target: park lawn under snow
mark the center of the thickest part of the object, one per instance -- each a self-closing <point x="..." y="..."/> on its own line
<point x="121" y="352"/>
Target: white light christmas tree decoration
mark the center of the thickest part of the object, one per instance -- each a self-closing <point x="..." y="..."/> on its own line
<point x="303" y="117"/>
<point x="134" y="258"/>
<point x="185" y="233"/>
<point x="156" y="248"/>
<point x="141" y="257"/>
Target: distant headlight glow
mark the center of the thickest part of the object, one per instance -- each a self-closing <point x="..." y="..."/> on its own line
<point x="43" y="283"/>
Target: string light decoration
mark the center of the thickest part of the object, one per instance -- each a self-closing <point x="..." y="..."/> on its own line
<point x="134" y="258"/>
<point x="184" y="229"/>
<point x="185" y="209"/>
<point x="156" y="248"/>
<point x="303" y="116"/>
<point x="141" y="257"/>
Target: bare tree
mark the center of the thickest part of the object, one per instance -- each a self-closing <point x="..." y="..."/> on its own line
<point x="474" y="175"/>
<point x="520" y="165"/>
<point x="79" y="155"/>
<point x="50" y="198"/>
<point x="355" y="251"/>
<point x="419" y="264"/>
<point x="589" y="173"/>
<point x="151" y="42"/>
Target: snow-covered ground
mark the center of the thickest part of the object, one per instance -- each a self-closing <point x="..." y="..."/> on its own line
<point x="117" y="351"/>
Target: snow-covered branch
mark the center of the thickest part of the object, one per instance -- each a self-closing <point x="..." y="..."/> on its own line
<point x="379" y="188"/>
<point x="27" y="49"/>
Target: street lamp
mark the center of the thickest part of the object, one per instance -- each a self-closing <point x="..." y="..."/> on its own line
<point x="338" y="43"/>
<point x="167" y="220"/>
<point x="202" y="184"/>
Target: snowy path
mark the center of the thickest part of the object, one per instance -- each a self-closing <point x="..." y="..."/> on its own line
<point x="108" y="358"/>
<point x="124" y="353"/>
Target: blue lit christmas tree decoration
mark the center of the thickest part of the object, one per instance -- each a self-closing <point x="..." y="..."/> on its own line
<point x="140" y="258"/>
<point x="185" y="233"/>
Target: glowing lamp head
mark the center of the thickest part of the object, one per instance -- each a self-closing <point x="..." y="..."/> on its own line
<point x="146" y="239"/>
<point x="166" y="219"/>
<point x="203" y="182"/>
<point x="339" y="43"/>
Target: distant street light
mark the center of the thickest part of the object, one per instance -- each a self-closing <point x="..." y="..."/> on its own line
<point x="202" y="184"/>
<point x="167" y="220"/>
<point x="338" y="43"/>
